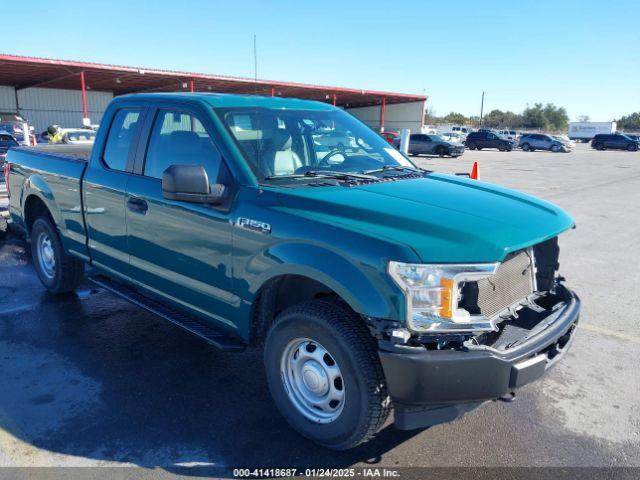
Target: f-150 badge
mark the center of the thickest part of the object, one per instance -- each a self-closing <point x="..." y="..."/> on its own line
<point x="252" y="224"/>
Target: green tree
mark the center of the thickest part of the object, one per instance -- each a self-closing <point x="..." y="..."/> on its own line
<point x="556" y="118"/>
<point x="533" y="117"/>
<point x="629" y="122"/>
<point x="456" y="118"/>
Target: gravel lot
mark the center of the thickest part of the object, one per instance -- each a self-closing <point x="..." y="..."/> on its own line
<point x="90" y="380"/>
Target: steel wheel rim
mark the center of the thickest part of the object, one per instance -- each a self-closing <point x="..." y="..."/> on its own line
<point x="46" y="255"/>
<point x="312" y="380"/>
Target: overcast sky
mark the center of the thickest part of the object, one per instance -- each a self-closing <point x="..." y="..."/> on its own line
<point x="583" y="55"/>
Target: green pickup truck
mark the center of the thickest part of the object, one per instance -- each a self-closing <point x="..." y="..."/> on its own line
<point x="369" y="283"/>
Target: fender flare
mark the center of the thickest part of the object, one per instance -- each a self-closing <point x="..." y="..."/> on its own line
<point x="36" y="186"/>
<point x="367" y="294"/>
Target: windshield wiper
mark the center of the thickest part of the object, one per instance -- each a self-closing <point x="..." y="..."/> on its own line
<point x="324" y="174"/>
<point x="396" y="168"/>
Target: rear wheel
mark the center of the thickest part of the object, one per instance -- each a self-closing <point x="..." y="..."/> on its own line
<point x="324" y="374"/>
<point x="58" y="271"/>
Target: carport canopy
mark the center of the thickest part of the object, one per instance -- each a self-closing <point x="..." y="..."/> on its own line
<point x="26" y="72"/>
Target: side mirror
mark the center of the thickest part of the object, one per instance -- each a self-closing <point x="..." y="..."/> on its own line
<point x="190" y="183"/>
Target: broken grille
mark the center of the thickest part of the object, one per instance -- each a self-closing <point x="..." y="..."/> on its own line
<point x="512" y="283"/>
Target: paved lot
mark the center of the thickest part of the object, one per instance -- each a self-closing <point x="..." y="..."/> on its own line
<point x="90" y="380"/>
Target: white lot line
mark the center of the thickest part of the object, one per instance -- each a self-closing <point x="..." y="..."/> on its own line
<point x="610" y="333"/>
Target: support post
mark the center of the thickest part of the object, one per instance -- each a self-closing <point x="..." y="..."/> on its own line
<point x="191" y="89"/>
<point x="273" y="91"/>
<point x="405" y="134"/>
<point x="382" y="108"/>
<point x="85" y="111"/>
<point x="334" y="99"/>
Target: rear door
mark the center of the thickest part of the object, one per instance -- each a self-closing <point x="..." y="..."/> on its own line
<point x="545" y="142"/>
<point x="104" y="189"/>
<point x="416" y="144"/>
<point x="492" y="140"/>
<point x="180" y="250"/>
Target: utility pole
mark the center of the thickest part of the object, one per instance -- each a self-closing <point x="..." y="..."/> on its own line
<point x="481" y="108"/>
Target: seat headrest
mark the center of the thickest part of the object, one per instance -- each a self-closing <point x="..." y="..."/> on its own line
<point x="184" y="143"/>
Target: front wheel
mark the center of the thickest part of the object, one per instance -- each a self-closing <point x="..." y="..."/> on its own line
<point x="441" y="151"/>
<point x="58" y="271"/>
<point x="526" y="147"/>
<point x="555" y="148"/>
<point x="324" y="374"/>
<point x="632" y="148"/>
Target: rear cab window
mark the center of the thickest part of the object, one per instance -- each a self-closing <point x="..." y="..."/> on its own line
<point x="122" y="133"/>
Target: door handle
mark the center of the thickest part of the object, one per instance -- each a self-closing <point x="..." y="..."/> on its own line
<point x="137" y="205"/>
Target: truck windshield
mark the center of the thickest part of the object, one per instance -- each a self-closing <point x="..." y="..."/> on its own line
<point x="283" y="144"/>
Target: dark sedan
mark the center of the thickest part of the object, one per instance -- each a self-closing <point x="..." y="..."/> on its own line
<point x="420" y="144"/>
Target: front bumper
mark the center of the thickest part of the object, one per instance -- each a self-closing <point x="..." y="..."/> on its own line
<point x="430" y="386"/>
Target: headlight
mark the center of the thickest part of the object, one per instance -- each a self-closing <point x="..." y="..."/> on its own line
<point x="432" y="294"/>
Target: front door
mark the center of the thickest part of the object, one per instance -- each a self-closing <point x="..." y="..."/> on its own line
<point x="180" y="250"/>
<point x="104" y="189"/>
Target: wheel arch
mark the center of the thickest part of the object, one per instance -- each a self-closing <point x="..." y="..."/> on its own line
<point x="324" y="274"/>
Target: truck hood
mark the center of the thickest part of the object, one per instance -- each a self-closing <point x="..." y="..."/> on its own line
<point x="443" y="218"/>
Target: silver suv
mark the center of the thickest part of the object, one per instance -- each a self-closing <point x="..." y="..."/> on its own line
<point x="540" y="141"/>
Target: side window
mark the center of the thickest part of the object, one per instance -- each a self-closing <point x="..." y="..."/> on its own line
<point x="121" y="135"/>
<point x="178" y="138"/>
<point x="491" y="136"/>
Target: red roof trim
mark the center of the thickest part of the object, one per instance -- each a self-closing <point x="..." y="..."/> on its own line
<point x="202" y="76"/>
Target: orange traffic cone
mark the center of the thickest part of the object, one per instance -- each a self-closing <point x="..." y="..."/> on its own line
<point x="474" y="171"/>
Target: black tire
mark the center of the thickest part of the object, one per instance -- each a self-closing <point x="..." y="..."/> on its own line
<point x="68" y="271"/>
<point x="478" y="148"/>
<point x="526" y="147"/>
<point x="632" y="147"/>
<point x="555" y="148"/>
<point x="502" y="148"/>
<point x="441" y="151"/>
<point x="598" y="146"/>
<point x="342" y="334"/>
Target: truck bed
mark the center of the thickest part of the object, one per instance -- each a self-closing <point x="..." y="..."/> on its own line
<point x="53" y="173"/>
<point x="75" y="151"/>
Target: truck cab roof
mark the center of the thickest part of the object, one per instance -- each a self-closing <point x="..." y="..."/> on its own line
<point x="223" y="100"/>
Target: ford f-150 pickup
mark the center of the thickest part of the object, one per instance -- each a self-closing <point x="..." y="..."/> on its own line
<point x="369" y="283"/>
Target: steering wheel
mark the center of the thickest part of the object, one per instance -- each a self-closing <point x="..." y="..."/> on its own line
<point x="325" y="160"/>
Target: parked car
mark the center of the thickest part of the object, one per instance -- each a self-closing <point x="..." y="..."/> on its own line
<point x="464" y="131"/>
<point x="509" y="134"/>
<point x="485" y="139"/>
<point x="566" y="140"/>
<point x="453" y="137"/>
<point x="369" y="283"/>
<point x="78" y="136"/>
<point x="6" y="142"/>
<point x="540" y="141"/>
<point x="390" y="136"/>
<point x="422" y="144"/>
<point x="614" y="141"/>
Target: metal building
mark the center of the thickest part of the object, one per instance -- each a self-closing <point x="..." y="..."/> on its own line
<point x="62" y="92"/>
